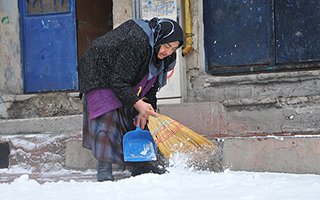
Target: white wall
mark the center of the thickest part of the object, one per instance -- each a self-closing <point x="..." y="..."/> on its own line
<point x="10" y="61"/>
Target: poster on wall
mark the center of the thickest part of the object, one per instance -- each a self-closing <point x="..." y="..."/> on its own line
<point x="159" y="8"/>
<point x="171" y="93"/>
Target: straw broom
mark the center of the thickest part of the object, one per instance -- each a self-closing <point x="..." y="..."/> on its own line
<point x="172" y="137"/>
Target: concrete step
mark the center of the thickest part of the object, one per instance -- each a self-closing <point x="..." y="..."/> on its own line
<point x="54" y="143"/>
<point x="293" y="154"/>
<point x="289" y="154"/>
<point x="59" y="124"/>
<point x="53" y="152"/>
<point x="67" y="175"/>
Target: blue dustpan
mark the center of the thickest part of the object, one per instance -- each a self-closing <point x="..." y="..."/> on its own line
<point x="139" y="146"/>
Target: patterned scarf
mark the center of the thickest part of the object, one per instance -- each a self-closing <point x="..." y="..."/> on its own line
<point x="161" y="31"/>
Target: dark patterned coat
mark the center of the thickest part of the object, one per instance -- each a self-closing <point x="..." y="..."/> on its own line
<point x="117" y="60"/>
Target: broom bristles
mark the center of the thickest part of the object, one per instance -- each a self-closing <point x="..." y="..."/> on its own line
<point x="172" y="137"/>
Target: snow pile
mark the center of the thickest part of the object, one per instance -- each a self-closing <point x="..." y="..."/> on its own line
<point x="180" y="183"/>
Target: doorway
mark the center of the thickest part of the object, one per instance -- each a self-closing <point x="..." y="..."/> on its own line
<point x="48" y="42"/>
<point x="93" y="20"/>
<point x="54" y="35"/>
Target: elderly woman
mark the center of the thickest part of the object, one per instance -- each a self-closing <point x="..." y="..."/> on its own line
<point x="119" y="75"/>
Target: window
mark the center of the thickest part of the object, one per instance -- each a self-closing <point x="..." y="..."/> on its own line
<point x="244" y="36"/>
<point x="39" y="7"/>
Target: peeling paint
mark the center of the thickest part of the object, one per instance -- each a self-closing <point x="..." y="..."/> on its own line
<point x="5" y="20"/>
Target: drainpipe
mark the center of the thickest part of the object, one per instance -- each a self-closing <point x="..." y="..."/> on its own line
<point x="136" y="9"/>
<point x="188" y="47"/>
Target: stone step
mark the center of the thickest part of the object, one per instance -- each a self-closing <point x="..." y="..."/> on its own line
<point x="289" y="154"/>
<point x="54" y="143"/>
<point x="70" y="123"/>
<point x="67" y="176"/>
<point x="299" y="154"/>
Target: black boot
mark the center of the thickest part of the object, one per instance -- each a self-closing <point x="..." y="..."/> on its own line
<point x="104" y="171"/>
<point x="143" y="168"/>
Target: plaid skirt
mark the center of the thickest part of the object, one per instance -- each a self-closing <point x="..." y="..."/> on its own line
<point x="104" y="134"/>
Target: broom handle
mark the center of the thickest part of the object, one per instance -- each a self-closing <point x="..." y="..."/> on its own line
<point x="138" y="126"/>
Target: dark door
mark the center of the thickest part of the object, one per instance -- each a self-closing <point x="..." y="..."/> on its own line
<point x="93" y="20"/>
<point x="297" y="30"/>
<point x="244" y="36"/>
<point x="49" y="45"/>
<point x="237" y="33"/>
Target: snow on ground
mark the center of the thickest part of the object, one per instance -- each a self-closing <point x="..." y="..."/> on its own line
<point x="179" y="183"/>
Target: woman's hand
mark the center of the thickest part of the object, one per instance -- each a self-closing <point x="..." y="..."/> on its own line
<point x="144" y="109"/>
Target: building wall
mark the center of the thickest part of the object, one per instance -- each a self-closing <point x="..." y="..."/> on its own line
<point x="11" y="81"/>
<point x="10" y="62"/>
<point x="122" y="11"/>
<point x="271" y="107"/>
<point x="257" y="103"/>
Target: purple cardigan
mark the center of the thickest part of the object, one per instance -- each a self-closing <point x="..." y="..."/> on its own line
<point x="101" y="101"/>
